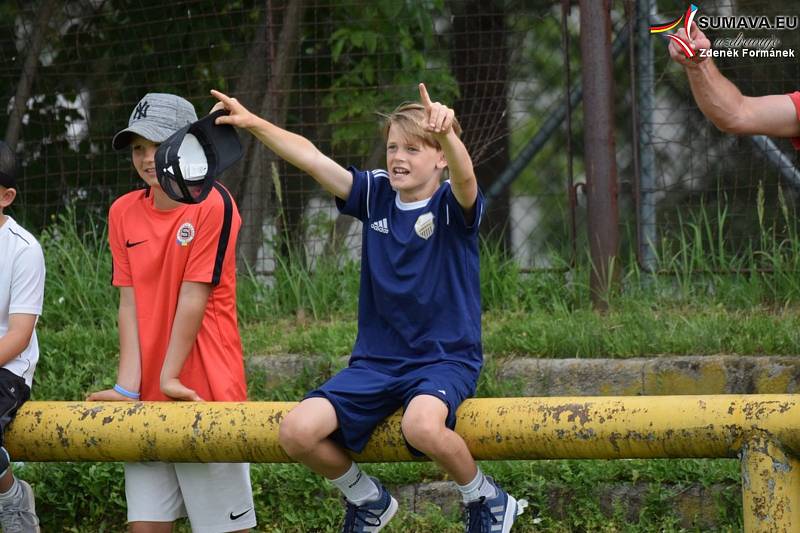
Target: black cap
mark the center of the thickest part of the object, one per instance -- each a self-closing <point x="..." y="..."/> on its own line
<point x="191" y="159"/>
<point x="8" y="166"/>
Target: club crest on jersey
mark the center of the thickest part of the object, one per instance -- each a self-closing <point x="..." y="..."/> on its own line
<point x="424" y="225"/>
<point x="185" y="234"/>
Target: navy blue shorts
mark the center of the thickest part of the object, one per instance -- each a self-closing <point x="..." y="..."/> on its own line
<point x="364" y="396"/>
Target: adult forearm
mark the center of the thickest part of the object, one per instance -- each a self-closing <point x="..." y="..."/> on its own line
<point x="716" y="96"/>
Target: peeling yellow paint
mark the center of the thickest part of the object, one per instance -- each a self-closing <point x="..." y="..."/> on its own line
<point x="770" y="487"/>
<point x="686" y="378"/>
<point x="764" y="430"/>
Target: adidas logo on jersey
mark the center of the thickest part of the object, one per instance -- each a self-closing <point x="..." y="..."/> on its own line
<point x="380" y="226"/>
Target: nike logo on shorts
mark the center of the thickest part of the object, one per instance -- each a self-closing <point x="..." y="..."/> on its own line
<point x="129" y="244"/>
<point x="238" y="516"/>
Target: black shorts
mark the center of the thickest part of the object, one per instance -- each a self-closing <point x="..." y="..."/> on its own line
<point x="13" y="393"/>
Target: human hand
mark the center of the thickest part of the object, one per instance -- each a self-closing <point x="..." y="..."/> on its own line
<point x="696" y="44"/>
<point x="176" y="390"/>
<point x="438" y="117"/>
<point x="238" y="115"/>
<point x="108" y="395"/>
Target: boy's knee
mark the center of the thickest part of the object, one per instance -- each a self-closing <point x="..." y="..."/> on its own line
<point x="421" y="433"/>
<point x="295" y="436"/>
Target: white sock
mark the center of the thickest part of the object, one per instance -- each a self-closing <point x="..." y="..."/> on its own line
<point x="479" y="486"/>
<point x="356" y="486"/>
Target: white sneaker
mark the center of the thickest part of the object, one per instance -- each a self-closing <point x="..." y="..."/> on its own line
<point x="19" y="515"/>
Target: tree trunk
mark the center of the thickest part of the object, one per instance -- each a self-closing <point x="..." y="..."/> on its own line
<point x="28" y="74"/>
<point x="267" y="95"/>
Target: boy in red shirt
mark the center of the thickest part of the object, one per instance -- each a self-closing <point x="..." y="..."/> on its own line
<point x="179" y="340"/>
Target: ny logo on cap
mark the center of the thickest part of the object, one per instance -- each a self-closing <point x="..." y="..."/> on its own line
<point x="141" y="110"/>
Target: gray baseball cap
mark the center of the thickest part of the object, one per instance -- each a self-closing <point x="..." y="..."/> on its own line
<point x="156" y="117"/>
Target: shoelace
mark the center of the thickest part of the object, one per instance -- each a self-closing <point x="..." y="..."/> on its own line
<point x="477" y="515"/>
<point x="356" y="515"/>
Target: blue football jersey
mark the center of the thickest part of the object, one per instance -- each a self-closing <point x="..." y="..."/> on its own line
<point x="419" y="299"/>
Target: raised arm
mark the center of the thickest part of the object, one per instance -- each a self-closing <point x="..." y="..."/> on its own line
<point x="289" y="146"/>
<point x="462" y="175"/>
<point x="723" y="103"/>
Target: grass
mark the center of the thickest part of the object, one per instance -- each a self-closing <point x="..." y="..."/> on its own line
<point x="710" y="301"/>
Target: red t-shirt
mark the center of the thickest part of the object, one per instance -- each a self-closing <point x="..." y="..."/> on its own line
<point x="795" y="96"/>
<point x="154" y="252"/>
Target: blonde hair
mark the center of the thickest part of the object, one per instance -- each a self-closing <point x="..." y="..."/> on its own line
<point x="409" y="118"/>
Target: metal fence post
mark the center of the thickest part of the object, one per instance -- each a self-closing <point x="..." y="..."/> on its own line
<point x="646" y="206"/>
<point x="600" y="152"/>
<point x="770" y="487"/>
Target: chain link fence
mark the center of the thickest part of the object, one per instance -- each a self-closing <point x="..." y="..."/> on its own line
<point x="72" y="70"/>
<point x="723" y="190"/>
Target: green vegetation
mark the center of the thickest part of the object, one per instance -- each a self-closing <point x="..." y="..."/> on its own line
<point x="697" y="309"/>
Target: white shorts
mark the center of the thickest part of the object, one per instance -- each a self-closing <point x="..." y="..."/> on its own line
<point x="216" y="497"/>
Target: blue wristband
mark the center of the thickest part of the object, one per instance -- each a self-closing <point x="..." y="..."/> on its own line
<point x="125" y="392"/>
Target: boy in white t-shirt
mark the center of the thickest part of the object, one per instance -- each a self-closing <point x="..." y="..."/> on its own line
<point x="21" y="294"/>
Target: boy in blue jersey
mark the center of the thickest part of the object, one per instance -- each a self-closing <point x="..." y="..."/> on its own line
<point x="419" y="316"/>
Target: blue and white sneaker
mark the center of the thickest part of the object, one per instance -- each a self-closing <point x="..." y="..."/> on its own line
<point x="372" y="516"/>
<point x="495" y="515"/>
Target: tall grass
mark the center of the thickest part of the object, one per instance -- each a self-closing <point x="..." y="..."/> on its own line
<point x="329" y="288"/>
<point x="701" y="262"/>
<point x="78" y="284"/>
<point x="706" y="303"/>
<point x="698" y="265"/>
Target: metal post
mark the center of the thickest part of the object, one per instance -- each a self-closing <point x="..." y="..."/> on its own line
<point x="586" y="427"/>
<point x="599" y="147"/>
<point x="646" y="215"/>
<point x="550" y="125"/>
<point x="767" y="148"/>
<point x="770" y="487"/>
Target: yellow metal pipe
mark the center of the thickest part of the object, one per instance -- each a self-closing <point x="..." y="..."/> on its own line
<point x="494" y="428"/>
<point x="770" y="487"/>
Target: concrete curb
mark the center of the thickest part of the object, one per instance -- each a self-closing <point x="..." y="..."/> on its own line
<point x="694" y="506"/>
<point x="660" y="375"/>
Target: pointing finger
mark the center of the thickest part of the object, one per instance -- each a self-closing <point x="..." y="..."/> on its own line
<point x="423" y="96"/>
<point x="222" y="97"/>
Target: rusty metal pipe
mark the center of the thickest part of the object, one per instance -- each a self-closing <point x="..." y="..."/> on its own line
<point x="494" y="428"/>
<point x="761" y="429"/>
<point x="770" y="486"/>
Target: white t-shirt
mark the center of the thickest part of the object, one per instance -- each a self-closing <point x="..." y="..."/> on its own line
<point x="21" y="289"/>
